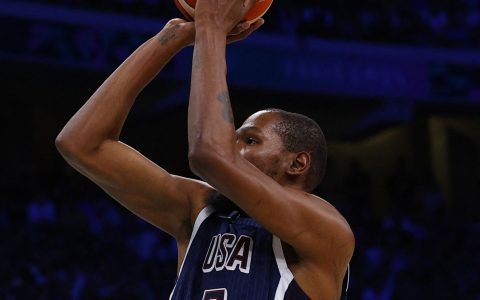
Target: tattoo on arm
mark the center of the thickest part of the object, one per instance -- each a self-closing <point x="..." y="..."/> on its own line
<point x="227" y="114"/>
<point x="170" y="34"/>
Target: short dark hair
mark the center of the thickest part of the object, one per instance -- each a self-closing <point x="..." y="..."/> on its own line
<point x="300" y="133"/>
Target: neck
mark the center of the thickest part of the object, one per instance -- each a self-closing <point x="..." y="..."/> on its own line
<point x="294" y="184"/>
<point x="222" y="204"/>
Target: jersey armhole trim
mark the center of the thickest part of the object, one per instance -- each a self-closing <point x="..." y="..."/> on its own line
<point x="286" y="275"/>
<point x="202" y="216"/>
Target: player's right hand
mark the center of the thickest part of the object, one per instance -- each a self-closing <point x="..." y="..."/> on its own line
<point x="221" y="16"/>
<point x="243" y="30"/>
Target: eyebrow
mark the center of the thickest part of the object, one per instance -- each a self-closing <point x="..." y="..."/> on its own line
<point x="248" y="128"/>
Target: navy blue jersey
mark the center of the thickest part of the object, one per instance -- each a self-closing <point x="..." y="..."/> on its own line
<point x="233" y="257"/>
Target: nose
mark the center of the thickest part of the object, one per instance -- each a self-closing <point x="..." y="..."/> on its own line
<point x="240" y="147"/>
<point x="242" y="151"/>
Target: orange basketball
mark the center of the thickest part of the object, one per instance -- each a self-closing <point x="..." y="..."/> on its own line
<point x="187" y="7"/>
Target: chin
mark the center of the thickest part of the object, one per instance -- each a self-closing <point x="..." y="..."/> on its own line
<point x="222" y="204"/>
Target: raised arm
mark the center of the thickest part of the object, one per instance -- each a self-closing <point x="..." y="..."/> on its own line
<point x="90" y="140"/>
<point x="319" y="235"/>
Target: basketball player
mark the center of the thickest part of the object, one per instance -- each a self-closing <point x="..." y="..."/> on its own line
<point x="251" y="229"/>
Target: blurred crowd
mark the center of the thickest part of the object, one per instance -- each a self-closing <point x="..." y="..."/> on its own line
<point x="418" y="249"/>
<point x="442" y="23"/>
<point x="74" y="242"/>
<point x="445" y="23"/>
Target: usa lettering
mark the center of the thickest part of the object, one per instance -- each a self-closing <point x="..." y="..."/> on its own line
<point x="226" y="251"/>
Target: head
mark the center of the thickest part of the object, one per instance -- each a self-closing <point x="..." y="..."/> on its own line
<point x="288" y="147"/>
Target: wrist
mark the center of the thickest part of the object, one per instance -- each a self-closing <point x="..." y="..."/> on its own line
<point x="177" y="35"/>
<point x="187" y="33"/>
<point x="210" y="33"/>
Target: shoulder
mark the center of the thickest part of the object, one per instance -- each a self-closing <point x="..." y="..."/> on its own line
<point x="317" y="209"/>
<point x="325" y="232"/>
<point x="323" y="250"/>
<point x="339" y="233"/>
<point x="337" y="219"/>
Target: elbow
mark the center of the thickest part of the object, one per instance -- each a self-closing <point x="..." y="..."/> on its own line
<point x="63" y="144"/>
<point x="198" y="160"/>
<point x="205" y="160"/>
<point x="207" y="156"/>
<point x="68" y="147"/>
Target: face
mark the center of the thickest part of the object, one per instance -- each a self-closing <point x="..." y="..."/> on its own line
<point x="258" y="143"/>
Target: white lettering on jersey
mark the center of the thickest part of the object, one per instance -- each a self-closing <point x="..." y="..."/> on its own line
<point x="229" y="252"/>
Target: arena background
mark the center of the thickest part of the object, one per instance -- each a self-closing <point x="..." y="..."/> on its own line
<point x="394" y="84"/>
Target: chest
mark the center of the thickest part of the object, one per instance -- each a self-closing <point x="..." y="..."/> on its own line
<point x="231" y="245"/>
<point x="233" y="257"/>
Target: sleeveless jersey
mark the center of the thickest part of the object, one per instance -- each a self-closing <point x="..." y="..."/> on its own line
<point x="233" y="257"/>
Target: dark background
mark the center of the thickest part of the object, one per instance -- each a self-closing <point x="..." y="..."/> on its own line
<point x="395" y="85"/>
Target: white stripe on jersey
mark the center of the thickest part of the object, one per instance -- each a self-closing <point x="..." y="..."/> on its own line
<point x="202" y="216"/>
<point x="286" y="275"/>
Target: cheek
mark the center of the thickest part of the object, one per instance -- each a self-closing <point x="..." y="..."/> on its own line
<point x="273" y="168"/>
<point x="254" y="156"/>
<point x="265" y="162"/>
<point x="251" y="156"/>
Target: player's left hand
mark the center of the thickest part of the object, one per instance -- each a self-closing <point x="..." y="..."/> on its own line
<point x="240" y="32"/>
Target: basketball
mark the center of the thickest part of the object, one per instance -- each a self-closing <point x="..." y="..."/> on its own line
<point x="187" y="7"/>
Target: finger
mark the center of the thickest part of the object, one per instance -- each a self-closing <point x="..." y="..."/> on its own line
<point x="246" y="33"/>
<point x="255" y="25"/>
<point x="258" y="23"/>
<point x="241" y="27"/>
<point x="176" y="21"/>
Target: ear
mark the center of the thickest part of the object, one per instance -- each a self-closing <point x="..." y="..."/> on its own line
<point x="299" y="164"/>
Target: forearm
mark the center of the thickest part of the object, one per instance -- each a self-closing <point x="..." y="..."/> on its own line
<point x="210" y="119"/>
<point x="103" y="115"/>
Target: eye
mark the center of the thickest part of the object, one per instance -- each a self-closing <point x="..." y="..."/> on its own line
<point x="250" y="141"/>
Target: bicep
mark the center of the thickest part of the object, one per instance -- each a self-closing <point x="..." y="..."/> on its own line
<point x="164" y="200"/>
